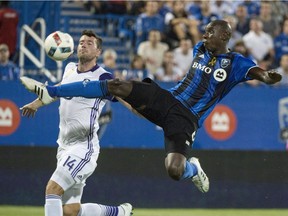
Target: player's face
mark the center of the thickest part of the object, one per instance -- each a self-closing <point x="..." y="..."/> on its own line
<point x="87" y="49"/>
<point x="211" y="37"/>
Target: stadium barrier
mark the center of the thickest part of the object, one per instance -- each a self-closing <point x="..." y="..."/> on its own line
<point x="247" y="119"/>
<point x="238" y="179"/>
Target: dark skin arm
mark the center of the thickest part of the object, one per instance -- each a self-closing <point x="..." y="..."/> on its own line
<point x="269" y="77"/>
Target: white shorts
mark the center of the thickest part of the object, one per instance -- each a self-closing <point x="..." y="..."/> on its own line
<point x="71" y="174"/>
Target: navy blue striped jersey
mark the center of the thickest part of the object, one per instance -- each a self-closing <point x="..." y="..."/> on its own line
<point x="209" y="79"/>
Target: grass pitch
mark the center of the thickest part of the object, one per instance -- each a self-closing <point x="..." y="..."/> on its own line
<point x="39" y="211"/>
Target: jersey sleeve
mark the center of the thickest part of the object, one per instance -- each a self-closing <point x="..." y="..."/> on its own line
<point x="106" y="76"/>
<point x="241" y="67"/>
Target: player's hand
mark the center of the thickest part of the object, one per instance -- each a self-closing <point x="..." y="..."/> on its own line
<point x="274" y="76"/>
<point x="29" y="110"/>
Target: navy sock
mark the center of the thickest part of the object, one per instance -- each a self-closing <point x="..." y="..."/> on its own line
<point x="52" y="90"/>
<point x="92" y="89"/>
<point x="190" y="171"/>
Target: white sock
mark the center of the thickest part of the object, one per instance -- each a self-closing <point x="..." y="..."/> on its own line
<point x="53" y="205"/>
<point x="92" y="209"/>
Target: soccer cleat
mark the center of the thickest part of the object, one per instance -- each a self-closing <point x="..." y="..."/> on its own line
<point x="37" y="88"/>
<point x="127" y="207"/>
<point x="200" y="180"/>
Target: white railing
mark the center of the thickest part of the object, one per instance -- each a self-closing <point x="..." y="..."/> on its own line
<point x="39" y="63"/>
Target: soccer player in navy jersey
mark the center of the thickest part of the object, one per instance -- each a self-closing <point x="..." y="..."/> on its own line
<point x="181" y="110"/>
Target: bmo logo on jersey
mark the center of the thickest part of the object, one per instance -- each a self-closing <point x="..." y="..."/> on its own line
<point x="201" y="67"/>
<point x="220" y="75"/>
<point x="221" y="123"/>
<point x="9" y="117"/>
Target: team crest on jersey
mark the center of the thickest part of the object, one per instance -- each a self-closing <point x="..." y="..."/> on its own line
<point x="220" y="75"/>
<point x="225" y="63"/>
<point x="85" y="81"/>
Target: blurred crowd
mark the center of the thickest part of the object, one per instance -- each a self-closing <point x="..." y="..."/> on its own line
<point x="166" y="31"/>
<point x="8" y="39"/>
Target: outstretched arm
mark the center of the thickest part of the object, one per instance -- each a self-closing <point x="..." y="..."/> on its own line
<point x="30" y="109"/>
<point x="269" y="77"/>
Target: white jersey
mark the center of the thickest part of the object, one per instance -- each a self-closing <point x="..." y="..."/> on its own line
<point x="79" y="116"/>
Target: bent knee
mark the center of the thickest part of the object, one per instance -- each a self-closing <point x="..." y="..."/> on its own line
<point x="175" y="172"/>
<point x="119" y="88"/>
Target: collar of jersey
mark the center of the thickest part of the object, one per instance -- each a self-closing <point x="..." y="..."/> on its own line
<point x="94" y="68"/>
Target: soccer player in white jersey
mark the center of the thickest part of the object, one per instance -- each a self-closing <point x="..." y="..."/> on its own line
<point x="78" y="141"/>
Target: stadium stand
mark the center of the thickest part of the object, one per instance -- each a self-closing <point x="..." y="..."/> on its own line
<point x="73" y="18"/>
<point x="117" y="29"/>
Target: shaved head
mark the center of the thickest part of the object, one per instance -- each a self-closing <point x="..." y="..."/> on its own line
<point x="224" y="26"/>
<point x="217" y="35"/>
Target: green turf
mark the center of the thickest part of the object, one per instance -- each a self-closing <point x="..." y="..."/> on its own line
<point x="210" y="212"/>
<point x="38" y="211"/>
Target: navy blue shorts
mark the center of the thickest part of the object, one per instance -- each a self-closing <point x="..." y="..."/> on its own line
<point x="161" y="108"/>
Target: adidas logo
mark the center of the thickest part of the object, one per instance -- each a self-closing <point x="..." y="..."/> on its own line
<point x="203" y="176"/>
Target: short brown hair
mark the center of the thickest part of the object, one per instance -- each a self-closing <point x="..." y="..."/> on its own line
<point x="90" y="33"/>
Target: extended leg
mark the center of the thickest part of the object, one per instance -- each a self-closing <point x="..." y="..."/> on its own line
<point x="91" y="89"/>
